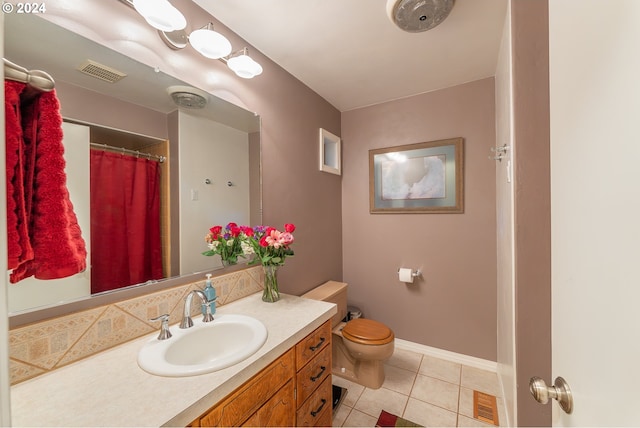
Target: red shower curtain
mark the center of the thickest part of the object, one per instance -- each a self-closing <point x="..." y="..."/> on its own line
<point x="125" y="221"/>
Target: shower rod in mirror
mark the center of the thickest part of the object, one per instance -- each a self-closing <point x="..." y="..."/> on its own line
<point x="136" y="153"/>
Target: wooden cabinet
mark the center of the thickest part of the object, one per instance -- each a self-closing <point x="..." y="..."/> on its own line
<point x="272" y="387"/>
<point x="316" y="411"/>
<point x="277" y="412"/>
<point x="294" y="390"/>
<point x="313" y="378"/>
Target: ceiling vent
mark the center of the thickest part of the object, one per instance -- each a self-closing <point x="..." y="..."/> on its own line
<point x="415" y="16"/>
<point x="102" y="72"/>
<point x="188" y="97"/>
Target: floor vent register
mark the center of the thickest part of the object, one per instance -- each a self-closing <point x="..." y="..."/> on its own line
<point x="485" y="408"/>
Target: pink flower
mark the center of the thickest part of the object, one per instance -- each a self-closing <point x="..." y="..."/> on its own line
<point x="286" y="238"/>
<point x="273" y="238"/>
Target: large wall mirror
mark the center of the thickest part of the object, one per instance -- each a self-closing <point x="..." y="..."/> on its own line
<point x="211" y="174"/>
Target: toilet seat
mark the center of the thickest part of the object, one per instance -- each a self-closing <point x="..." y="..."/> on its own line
<point x="367" y="332"/>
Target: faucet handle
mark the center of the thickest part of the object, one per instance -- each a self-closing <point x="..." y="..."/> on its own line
<point x="164" y="327"/>
<point x="208" y="316"/>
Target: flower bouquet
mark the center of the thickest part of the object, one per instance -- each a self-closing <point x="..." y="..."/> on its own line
<point x="229" y="242"/>
<point x="271" y="247"/>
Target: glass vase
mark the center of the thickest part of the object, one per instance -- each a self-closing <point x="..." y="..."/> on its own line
<point x="227" y="262"/>
<point x="271" y="293"/>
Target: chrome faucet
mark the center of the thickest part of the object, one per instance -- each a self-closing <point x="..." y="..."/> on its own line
<point x="186" y="317"/>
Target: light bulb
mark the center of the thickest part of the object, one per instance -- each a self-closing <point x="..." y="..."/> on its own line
<point x="244" y="66"/>
<point x="160" y="14"/>
<point x="210" y="43"/>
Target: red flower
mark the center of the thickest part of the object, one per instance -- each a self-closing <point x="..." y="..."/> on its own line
<point x="215" y="231"/>
<point x="235" y="231"/>
<point x="263" y="241"/>
<point x="248" y="231"/>
<point x="231" y="226"/>
<point x="288" y="227"/>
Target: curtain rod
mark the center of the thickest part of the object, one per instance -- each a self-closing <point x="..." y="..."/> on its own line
<point x="37" y="79"/>
<point x="136" y="153"/>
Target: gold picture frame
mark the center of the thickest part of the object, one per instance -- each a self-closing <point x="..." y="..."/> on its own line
<point x="417" y="178"/>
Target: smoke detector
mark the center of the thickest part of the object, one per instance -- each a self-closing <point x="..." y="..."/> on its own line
<point x="188" y="97"/>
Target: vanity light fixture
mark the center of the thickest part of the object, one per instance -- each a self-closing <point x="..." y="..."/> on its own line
<point x="210" y="43"/>
<point x="171" y="25"/>
<point x="160" y="14"/>
<point x="243" y="65"/>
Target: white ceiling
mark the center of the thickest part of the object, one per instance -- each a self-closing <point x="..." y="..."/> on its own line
<point x="350" y="53"/>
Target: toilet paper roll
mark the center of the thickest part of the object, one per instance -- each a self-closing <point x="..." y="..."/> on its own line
<point x="405" y="275"/>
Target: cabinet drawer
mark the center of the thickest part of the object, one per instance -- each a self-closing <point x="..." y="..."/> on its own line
<point x="312" y="375"/>
<point x="312" y="412"/>
<point x="279" y="411"/>
<point x="311" y="345"/>
<point x="254" y="393"/>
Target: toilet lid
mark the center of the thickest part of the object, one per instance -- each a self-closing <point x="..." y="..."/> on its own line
<point x="368" y="332"/>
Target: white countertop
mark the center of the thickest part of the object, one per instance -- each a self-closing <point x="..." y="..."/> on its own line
<point x="109" y="389"/>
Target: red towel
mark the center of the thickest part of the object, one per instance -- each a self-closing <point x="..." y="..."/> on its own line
<point x="38" y="183"/>
<point x="18" y="243"/>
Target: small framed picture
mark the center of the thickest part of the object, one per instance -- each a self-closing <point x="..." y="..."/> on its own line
<point x="418" y="178"/>
<point x="330" y="152"/>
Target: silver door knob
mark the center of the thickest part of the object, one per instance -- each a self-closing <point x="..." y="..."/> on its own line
<point x="559" y="391"/>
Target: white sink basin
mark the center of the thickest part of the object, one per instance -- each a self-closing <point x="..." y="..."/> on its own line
<point x="205" y="347"/>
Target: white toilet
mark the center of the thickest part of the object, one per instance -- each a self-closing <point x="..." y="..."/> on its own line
<point x="360" y="346"/>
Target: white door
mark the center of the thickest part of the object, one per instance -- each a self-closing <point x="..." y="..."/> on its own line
<point x="595" y="214"/>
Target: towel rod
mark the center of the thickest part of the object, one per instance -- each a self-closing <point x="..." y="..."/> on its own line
<point x="37" y="79"/>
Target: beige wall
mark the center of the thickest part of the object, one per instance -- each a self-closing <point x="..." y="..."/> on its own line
<point x="454" y="306"/>
<point x="109" y="112"/>
<point x="218" y="153"/>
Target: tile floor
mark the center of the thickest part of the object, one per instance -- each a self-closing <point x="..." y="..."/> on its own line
<point x="423" y="389"/>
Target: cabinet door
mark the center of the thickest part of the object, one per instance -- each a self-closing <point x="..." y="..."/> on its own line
<point x="313" y="411"/>
<point x="252" y="395"/>
<point x="279" y="411"/>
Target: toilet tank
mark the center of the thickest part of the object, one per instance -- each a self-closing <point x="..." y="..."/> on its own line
<point x="333" y="292"/>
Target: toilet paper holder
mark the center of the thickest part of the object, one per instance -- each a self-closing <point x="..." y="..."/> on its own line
<point x="414" y="273"/>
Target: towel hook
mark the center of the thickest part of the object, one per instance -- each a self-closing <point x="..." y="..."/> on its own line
<point x="500" y="152"/>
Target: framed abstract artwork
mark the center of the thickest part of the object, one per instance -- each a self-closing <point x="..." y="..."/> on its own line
<point x="417" y="178"/>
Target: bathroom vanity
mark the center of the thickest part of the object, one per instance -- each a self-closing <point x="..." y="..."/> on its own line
<point x="109" y="389"/>
<point x="294" y="390"/>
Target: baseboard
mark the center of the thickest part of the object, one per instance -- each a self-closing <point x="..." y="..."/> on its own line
<point x="467" y="360"/>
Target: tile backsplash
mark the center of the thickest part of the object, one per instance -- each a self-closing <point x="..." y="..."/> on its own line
<point x="38" y="348"/>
